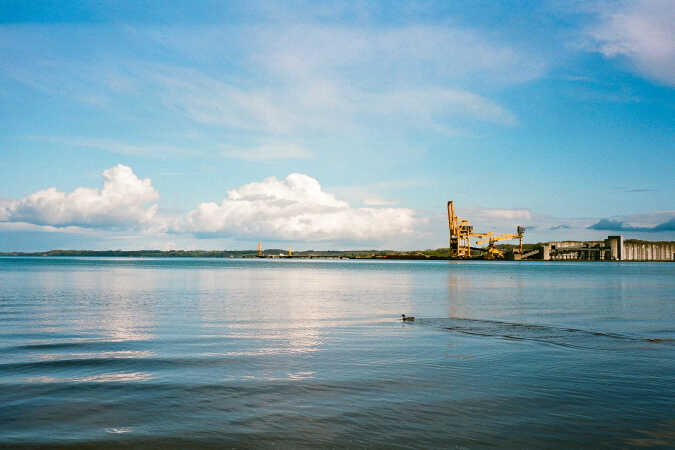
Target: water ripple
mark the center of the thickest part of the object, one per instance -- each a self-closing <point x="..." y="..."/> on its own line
<point x="562" y="336"/>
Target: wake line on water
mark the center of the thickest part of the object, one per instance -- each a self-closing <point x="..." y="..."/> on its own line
<point x="561" y="336"/>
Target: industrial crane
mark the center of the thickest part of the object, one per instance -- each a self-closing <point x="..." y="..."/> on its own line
<point x="492" y="237"/>
<point x="461" y="232"/>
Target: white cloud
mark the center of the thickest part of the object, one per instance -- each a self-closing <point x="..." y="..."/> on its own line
<point x="374" y="200"/>
<point x="501" y="220"/>
<point x="295" y="208"/>
<point x="269" y="152"/>
<point x="5" y="203"/>
<point x="342" y="78"/>
<point x="115" y="146"/>
<point x="321" y="105"/>
<point x="284" y="79"/>
<point x="379" y="193"/>
<point x="507" y="214"/>
<point x="24" y="226"/>
<point x="123" y="201"/>
<point x="641" y="31"/>
<point x="395" y="54"/>
<point x="436" y="105"/>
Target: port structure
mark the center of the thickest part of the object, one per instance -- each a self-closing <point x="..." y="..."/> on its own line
<point x="491" y="237"/>
<point x="461" y="232"/>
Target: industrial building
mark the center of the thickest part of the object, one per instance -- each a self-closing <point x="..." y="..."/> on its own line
<point x="614" y="248"/>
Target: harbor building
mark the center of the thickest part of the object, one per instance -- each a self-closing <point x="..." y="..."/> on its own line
<point x="614" y="248"/>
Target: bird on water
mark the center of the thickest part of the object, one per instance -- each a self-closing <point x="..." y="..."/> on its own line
<point x="407" y="319"/>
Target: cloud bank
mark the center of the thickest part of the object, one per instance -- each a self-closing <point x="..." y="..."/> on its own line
<point x="618" y="225"/>
<point x="295" y="208"/>
<point x="123" y="202"/>
<point x="282" y="80"/>
<point x="642" y="33"/>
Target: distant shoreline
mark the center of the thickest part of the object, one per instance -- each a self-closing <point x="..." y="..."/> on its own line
<point x="427" y="255"/>
<point x="273" y="253"/>
<point x="614" y="248"/>
<point x="422" y="255"/>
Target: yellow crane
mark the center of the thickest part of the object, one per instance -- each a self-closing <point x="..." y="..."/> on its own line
<point x="260" y="252"/>
<point x="460" y="234"/>
<point x="491" y="237"/>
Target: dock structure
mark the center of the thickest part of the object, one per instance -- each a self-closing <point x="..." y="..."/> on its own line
<point x="614" y="248"/>
<point x="461" y="233"/>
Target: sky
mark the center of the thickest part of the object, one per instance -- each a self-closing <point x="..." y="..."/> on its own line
<point x="333" y="125"/>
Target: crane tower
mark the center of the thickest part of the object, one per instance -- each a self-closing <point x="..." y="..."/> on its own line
<point x="461" y="232"/>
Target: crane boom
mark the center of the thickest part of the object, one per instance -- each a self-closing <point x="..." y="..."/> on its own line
<point x="493" y="237"/>
<point x="461" y="233"/>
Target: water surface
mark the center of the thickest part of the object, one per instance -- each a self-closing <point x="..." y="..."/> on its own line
<point x="177" y="353"/>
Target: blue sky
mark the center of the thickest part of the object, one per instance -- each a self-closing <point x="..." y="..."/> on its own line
<point x="333" y="125"/>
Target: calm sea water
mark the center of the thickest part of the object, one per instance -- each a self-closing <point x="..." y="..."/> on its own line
<point x="186" y="353"/>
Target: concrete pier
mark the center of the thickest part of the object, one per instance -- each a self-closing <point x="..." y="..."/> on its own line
<point x="614" y="248"/>
<point x="648" y="251"/>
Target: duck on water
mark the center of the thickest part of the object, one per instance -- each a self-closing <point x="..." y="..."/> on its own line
<point x="407" y="319"/>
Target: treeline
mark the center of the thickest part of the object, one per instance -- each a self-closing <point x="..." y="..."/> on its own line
<point x="202" y="253"/>
<point x="140" y="253"/>
<point x="438" y="253"/>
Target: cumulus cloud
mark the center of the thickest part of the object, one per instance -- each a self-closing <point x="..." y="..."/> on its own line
<point x="295" y="208"/>
<point x="123" y="201"/>
<point x="642" y="33"/>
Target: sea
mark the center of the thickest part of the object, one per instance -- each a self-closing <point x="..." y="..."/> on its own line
<point x="298" y="353"/>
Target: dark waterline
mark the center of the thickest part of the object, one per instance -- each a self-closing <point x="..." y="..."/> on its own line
<point x="104" y="352"/>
